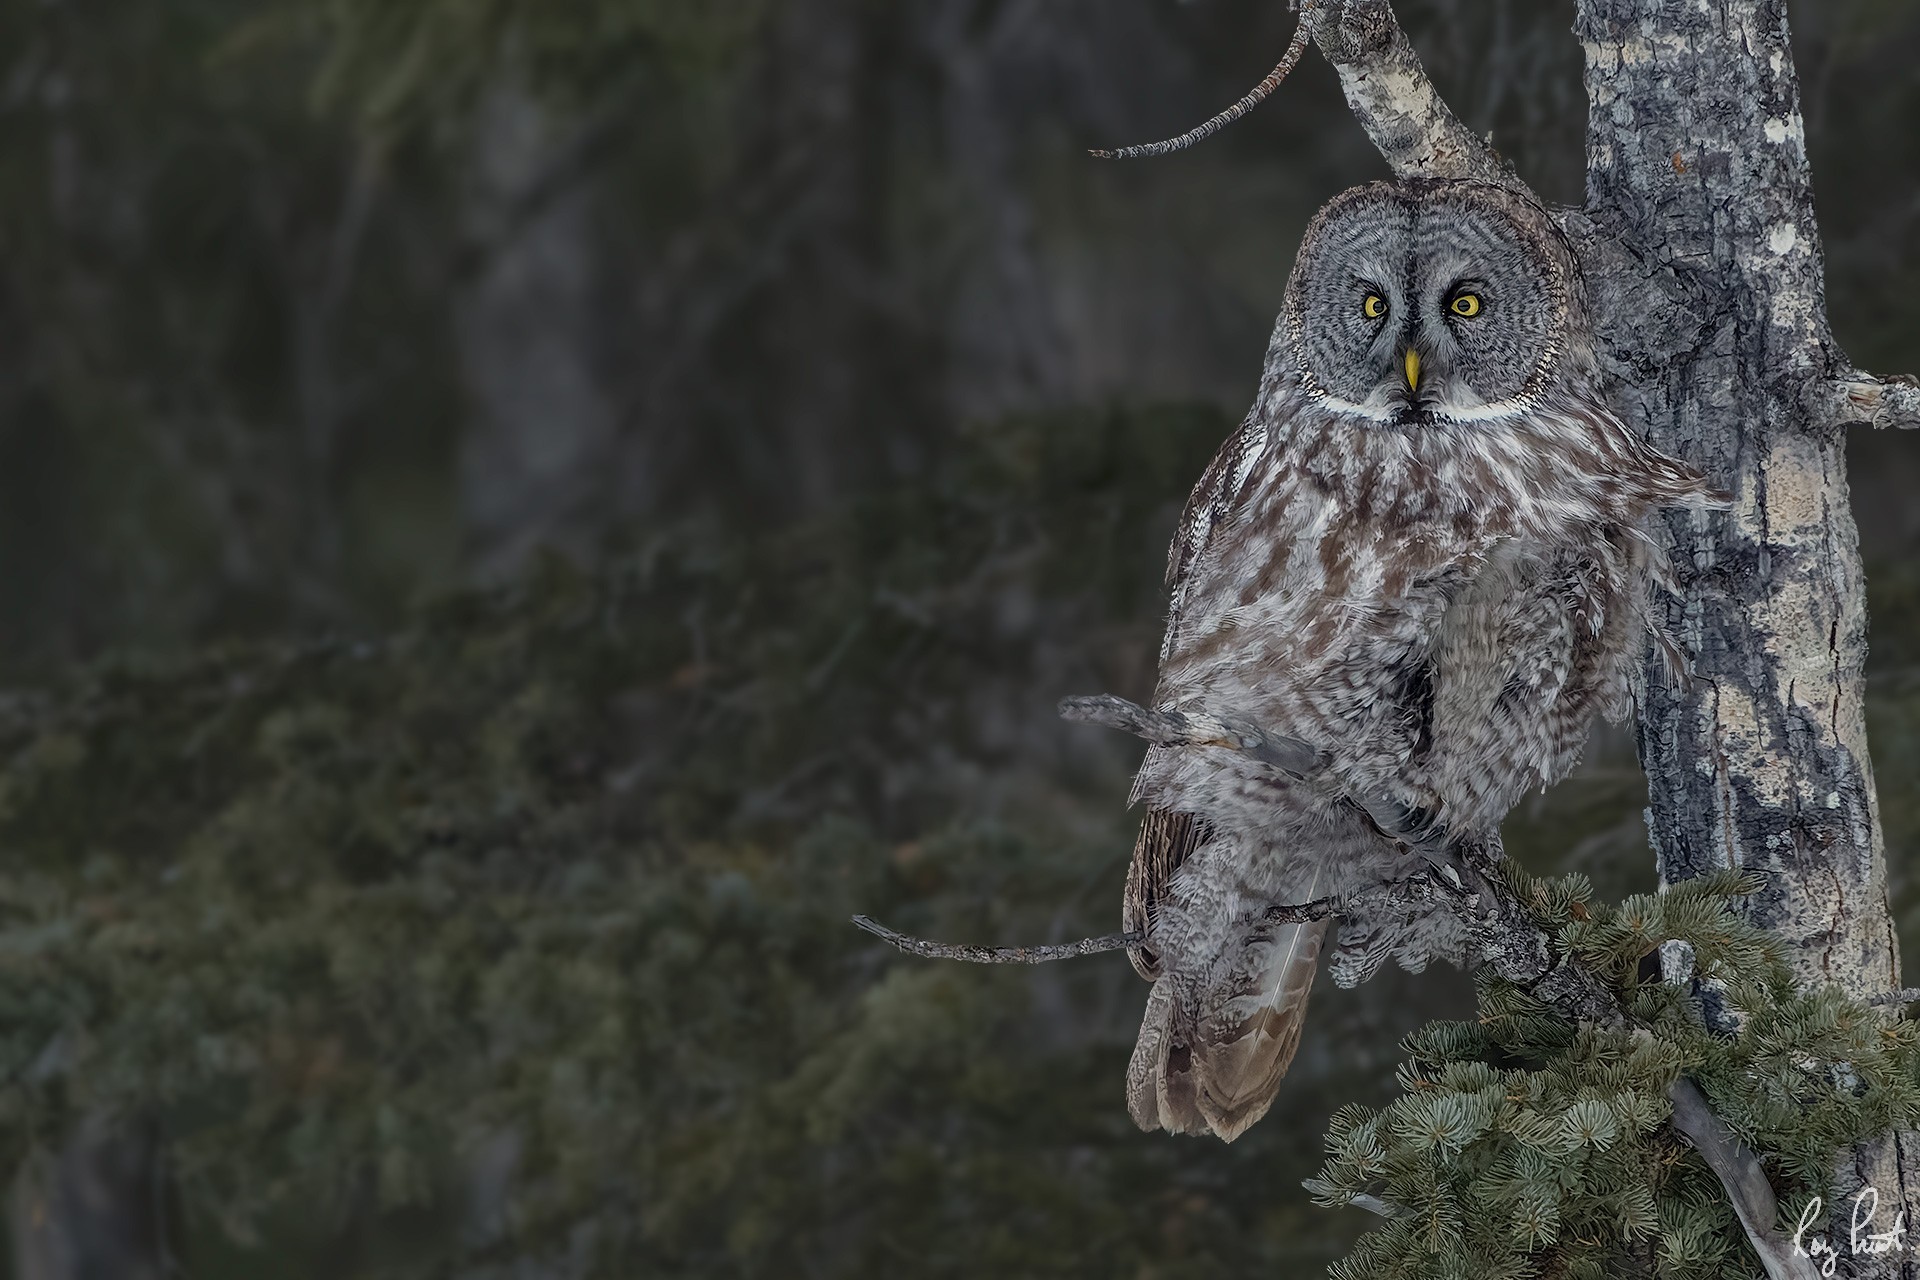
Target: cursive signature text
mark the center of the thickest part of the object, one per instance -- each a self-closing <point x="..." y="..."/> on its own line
<point x="1861" y="1238"/>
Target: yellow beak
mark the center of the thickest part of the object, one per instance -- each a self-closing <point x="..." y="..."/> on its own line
<point x="1413" y="370"/>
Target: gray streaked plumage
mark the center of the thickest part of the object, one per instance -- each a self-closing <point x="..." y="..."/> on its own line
<point x="1435" y="572"/>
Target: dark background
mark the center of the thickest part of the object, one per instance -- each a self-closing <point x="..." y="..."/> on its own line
<point x="517" y="518"/>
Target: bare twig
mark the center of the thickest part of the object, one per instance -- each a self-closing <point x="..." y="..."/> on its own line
<point x="1296" y="47"/>
<point x="1305" y="912"/>
<point x="1740" y="1174"/>
<point x="998" y="955"/>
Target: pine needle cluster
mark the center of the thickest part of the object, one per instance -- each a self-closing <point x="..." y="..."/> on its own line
<point x="1526" y="1145"/>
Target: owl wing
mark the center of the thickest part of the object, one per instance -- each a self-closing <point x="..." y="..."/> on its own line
<point x="1315" y="615"/>
<point x="1208" y="509"/>
<point x="1217" y="1072"/>
<point x="1523" y="667"/>
<point x="1559" y="644"/>
<point x="1167" y="839"/>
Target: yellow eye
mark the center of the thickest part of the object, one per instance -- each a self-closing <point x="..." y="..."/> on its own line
<point x="1375" y="306"/>
<point x="1467" y="304"/>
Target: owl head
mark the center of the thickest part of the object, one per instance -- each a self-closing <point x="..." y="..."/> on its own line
<point x="1419" y="303"/>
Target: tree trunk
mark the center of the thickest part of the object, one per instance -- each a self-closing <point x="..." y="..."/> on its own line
<point x="1703" y="258"/>
<point x="1714" y="316"/>
<point x="534" y="459"/>
<point x="93" y="1211"/>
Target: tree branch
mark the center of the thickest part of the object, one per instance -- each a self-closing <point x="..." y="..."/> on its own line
<point x="1509" y="940"/>
<point x="1200" y="133"/>
<point x="998" y="955"/>
<point x="1303" y="913"/>
<point x="1386" y="89"/>
<point x="1862" y="399"/>
<point x="1905" y="995"/>
<point x="1505" y="933"/>
<point x="1389" y="93"/>
<point x="1740" y="1174"/>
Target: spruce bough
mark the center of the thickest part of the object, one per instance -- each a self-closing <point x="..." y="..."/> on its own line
<point x="1524" y="1144"/>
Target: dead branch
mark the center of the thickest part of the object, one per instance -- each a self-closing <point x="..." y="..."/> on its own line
<point x="998" y="955"/>
<point x="1862" y="399"/>
<point x="1259" y="94"/>
<point x="1740" y="1174"/>
<point x="1305" y="912"/>
<point x="1389" y="94"/>
<point x="1386" y="89"/>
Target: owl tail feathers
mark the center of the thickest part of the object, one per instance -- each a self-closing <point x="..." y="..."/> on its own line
<point x="1217" y="1070"/>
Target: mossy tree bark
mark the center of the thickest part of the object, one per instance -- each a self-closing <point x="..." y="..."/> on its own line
<point x="1704" y="260"/>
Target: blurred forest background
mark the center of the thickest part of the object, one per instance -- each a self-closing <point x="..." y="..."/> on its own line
<point x="517" y="518"/>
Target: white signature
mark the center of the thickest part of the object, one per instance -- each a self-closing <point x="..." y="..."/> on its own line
<point x="1860" y="1240"/>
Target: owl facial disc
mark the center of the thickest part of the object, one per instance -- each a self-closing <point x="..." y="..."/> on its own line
<point x="1424" y="304"/>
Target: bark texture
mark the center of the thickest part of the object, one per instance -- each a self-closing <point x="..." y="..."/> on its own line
<point x="1390" y="95"/>
<point x="1706" y="265"/>
<point x="1700" y="222"/>
<point x="1703" y="257"/>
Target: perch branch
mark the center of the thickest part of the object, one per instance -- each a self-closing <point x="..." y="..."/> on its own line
<point x="1389" y="94"/>
<point x="1510" y="941"/>
<point x="1861" y="398"/>
<point x="1259" y="94"/>
<point x="998" y="955"/>
<point x="1303" y="913"/>
<point x="1506" y="934"/>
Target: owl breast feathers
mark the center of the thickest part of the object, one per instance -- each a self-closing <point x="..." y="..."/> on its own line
<point x="1425" y="553"/>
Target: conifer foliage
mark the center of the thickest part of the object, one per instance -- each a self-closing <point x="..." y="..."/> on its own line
<point x="1524" y="1145"/>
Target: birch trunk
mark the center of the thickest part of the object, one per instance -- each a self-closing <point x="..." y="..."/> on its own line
<point x="1703" y="257"/>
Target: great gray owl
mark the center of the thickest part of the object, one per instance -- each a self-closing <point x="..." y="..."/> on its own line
<point x="1422" y="554"/>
